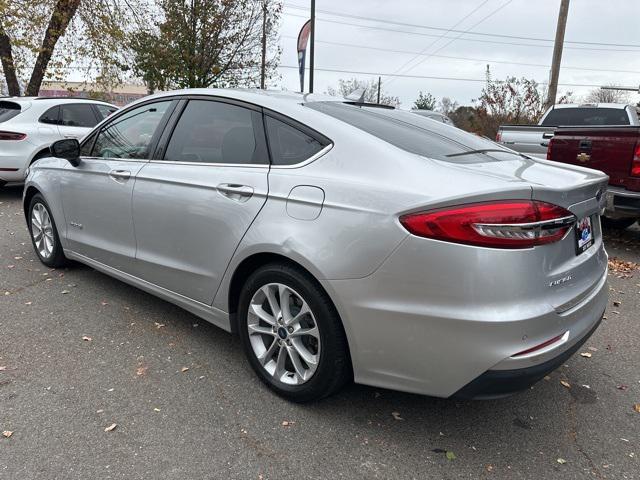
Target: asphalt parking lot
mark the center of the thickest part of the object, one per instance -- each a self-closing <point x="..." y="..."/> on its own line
<point x="80" y="352"/>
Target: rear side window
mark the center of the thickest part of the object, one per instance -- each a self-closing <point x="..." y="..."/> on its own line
<point x="586" y="116"/>
<point x="8" y="110"/>
<point x="105" y="110"/>
<point x="290" y="145"/>
<point x="51" y="116"/>
<point x="217" y="132"/>
<point x="77" y="116"/>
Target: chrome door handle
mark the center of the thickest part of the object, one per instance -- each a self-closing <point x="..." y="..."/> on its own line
<point x="120" y="175"/>
<point x="547" y="135"/>
<point x="235" y="191"/>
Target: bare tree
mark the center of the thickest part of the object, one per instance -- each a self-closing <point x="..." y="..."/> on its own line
<point x="600" y="95"/>
<point x="447" y="106"/>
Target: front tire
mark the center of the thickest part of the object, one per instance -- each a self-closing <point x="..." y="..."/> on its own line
<point x="44" y="234"/>
<point x="292" y="335"/>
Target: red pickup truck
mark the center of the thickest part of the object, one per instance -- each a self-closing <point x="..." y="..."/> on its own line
<point x="613" y="150"/>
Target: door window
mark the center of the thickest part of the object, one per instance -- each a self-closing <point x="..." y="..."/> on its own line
<point x="131" y="135"/>
<point x="217" y="132"/>
<point x="77" y="116"/>
<point x="289" y="145"/>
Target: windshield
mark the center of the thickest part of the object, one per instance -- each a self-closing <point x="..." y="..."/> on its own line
<point x="8" y="110"/>
<point x="415" y="133"/>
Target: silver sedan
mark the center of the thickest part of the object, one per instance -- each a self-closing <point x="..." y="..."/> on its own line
<point x="339" y="240"/>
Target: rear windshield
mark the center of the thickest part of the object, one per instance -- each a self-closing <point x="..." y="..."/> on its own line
<point x="8" y="110"/>
<point x="414" y="133"/>
<point x="586" y="116"/>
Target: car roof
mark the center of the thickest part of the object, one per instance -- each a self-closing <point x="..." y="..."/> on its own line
<point x="54" y="100"/>
<point x="620" y="106"/>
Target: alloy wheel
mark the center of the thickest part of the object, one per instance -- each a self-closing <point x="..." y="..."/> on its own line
<point x="284" y="334"/>
<point x="42" y="230"/>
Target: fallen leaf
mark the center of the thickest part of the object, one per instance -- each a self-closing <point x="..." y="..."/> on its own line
<point x="156" y="409"/>
<point x="396" y="416"/>
<point x="100" y="411"/>
<point x="450" y="455"/>
<point x="616" y="303"/>
<point x="561" y="461"/>
<point x="2" y="369"/>
<point x="547" y="377"/>
<point x="103" y="303"/>
<point x="111" y="427"/>
<point x="622" y="387"/>
<point x="287" y="423"/>
<point x="636" y="407"/>
<point x="86" y="339"/>
<point x="7" y="433"/>
<point x="64" y="292"/>
<point x="489" y="468"/>
<point x="593" y="349"/>
<point x="585" y="354"/>
<point x="159" y="325"/>
<point x="184" y="369"/>
<point x="565" y="383"/>
<point x="140" y="371"/>
<point x="27" y="303"/>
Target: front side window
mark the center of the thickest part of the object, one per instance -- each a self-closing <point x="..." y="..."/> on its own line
<point x="217" y="132"/>
<point x="130" y="135"/>
<point x="290" y="145"/>
<point x="77" y="116"/>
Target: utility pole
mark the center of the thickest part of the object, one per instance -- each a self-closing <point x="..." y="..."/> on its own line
<point x="557" y="52"/>
<point x="379" y="81"/>
<point x="264" y="45"/>
<point x="313" y="44"/>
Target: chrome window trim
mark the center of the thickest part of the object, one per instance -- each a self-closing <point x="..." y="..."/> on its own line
<point x="209" y="164"/>
<point x="309" y="160"/>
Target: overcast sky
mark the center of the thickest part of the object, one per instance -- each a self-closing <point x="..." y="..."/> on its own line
<point x="610" y="22"/>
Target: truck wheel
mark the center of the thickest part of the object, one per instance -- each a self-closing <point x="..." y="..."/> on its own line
<point x="617" y="223"/>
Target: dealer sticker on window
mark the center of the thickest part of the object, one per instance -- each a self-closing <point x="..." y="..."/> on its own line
<point x="584" y="234"/>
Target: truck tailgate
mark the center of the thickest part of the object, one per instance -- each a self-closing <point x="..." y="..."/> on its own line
<point x="609" y="149"/>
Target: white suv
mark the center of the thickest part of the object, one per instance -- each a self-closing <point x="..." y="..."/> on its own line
<point x="28" y="125"/>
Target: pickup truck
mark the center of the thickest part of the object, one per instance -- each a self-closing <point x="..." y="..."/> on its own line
<point x="532" y="140"/>
<point x="616" y="152"/>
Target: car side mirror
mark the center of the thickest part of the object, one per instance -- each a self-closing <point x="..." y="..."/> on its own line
<point x="69" y="149"/>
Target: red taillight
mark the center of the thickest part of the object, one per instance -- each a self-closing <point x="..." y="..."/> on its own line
<point x="498" y="137"/>
<point x="500" y="224"/>
<point x="12" y="136"/>
<point x="635" y="164"/>
<point x="549" y="147"/>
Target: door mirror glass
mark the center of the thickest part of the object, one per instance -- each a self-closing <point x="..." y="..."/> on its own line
<point x="69" y="149"/>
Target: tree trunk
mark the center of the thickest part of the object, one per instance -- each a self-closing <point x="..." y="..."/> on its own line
<point x="63" y="12"/>
<point x="6" y="55"/>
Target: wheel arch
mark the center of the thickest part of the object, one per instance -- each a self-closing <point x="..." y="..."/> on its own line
<point x="29" y="193"/>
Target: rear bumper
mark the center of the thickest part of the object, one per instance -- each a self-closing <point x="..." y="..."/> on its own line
<point x="622" y="203"/>
<point x="500" y="383"/>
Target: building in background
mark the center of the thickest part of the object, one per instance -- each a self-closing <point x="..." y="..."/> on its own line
<point x="120" y="96"/>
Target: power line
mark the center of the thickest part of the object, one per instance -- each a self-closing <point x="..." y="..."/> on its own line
<point x="453" y="57"/>
<point x="400" y="75"/>
<point x="477" y="40"/>
<point x="411" y="60"/>
<point x="484" y="34"/>
<point x="493" y="12"/>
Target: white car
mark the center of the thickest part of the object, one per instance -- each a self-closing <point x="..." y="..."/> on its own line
<point x="29" y="125"/>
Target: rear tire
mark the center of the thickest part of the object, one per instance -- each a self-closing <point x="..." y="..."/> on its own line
<point x="617" y="223"/>
<point x="44" y="234"/>
<point x="299" y="351"/>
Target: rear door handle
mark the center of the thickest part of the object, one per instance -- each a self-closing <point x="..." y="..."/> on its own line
<point x="234" y="191"/>
<point x="120" y="175"/>
<point x="547" y="135"/>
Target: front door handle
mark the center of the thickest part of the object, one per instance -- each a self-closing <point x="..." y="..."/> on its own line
<point x="120" y="175"/>
<point x="234" y="191"/>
